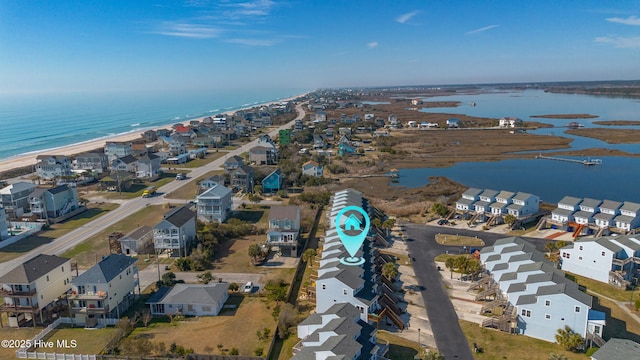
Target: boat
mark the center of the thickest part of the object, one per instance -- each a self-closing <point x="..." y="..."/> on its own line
<point x="574" y="125"/>
<point x="473" y="103"/>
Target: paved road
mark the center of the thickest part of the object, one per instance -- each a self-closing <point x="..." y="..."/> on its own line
<point x="71" y="239"/>
<point x="423" y="248"/>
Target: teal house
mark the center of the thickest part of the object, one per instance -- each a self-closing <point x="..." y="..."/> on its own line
<point x="346" y="149"/>
<point x="273" y="182"/>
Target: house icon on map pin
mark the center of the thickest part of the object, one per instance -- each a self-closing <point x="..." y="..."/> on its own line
<point x="352" y="223"/>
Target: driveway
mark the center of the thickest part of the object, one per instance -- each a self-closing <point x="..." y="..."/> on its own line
<point x="423" y="248"/>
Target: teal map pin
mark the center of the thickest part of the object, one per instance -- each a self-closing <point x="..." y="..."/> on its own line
<point x="352" y="231"/>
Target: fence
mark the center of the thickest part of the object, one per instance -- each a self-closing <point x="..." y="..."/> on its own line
<point x="55" y="356"/>
<point x="222" y="357"/>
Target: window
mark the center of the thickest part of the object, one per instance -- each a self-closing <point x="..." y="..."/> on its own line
<point x="324" y="286"/>
<point x="579" y="257"/>
<point x="47" y="277"/>
<point x="547" y="316"/>
<point x="602" y="253"/>
<point x="62" y="268"/>
<point x="568" y="255"/>
<point x="580" y="247"/>
<point x="344" y="291"/>
<point x="526" y="313"/>
<point x="577" y="309"/>
<point x="547" y="303"/>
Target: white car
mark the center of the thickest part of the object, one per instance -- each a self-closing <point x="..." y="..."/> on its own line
<point x="248" y="287"/>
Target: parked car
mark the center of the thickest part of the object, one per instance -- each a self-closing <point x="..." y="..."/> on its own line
<point x="443" y="222"/>
<point x="248" y="287"/>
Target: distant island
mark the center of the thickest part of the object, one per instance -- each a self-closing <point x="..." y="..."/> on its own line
<point x="565" y="116"/>
<point x="617" y="122"/>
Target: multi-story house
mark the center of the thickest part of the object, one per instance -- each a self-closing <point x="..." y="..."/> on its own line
<point x="93" y="162"/>
<point x="128" y="164"/>
<point x="469" y="197"/>
<point x="263" y="155"/>
<point x="14" y="198"/>
<point x="34" y="289"/>
<point x="4" y="225"/>
<point x="139" y="241"/>
<point x="214" y="204"/>
<point x="608" y="211"/>
<point x="115" y="150"/>
<point x="232" y="163"/>
<point x="273" y="182"/>
<point x="175" y="232"/>
<point x="106" y="290"/>
<point x="53" y="203"/>
<point x="536" y="299"/>
<point x="51" y="167"/>
<point x="242" y="179"/>
<point x="566" y="208"/>
<point x="148" y="166"/>
<point x="503" y="199"/>
<point x="614" y="260"/>
<point x="312" y="168"/>
<point x="321" y="116"/>
<point x="629" y="217"/>
<point x="524" y="204"/>
<point x="588" y="208"/>
<point x="284" y="228"/>
<point x="211" y="181"/>
<point x="174" y="146"/>
<point x="487" y="197"/>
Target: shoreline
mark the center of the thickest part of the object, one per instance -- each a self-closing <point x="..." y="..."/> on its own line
<point x="29" y="158"/>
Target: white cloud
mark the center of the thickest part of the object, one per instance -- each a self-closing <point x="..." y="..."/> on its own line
<point x="620" y="42"/>
<point x="481" y="29"/>
<point x="631" y="20"/>
<point x="256" y="8"/>
<point x="254" y="42"/>
<point x="186" y="30"/>
<point x="372" y="45"/>
<point x="406" y="17"/>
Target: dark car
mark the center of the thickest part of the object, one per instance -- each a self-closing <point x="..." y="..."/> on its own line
<point x="443" y="222"/>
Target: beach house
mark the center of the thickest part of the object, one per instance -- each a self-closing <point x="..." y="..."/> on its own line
<point x="262" y="155"/>
<point x="503" y="199"/>
<point x="210" y="182"/>
<point x="137" y="242"/>
<point x="52" y="167"/>
<point x="614" y="260"/>
<point x="148" y="166"/>
<point x="609" y="209"/>
<point x="189" y="299"/>
<point x="35" y="289"/>
<point x="284" y="228"/>
<point x="4" y="225"/>
<point x="312" y="168"/>
<point x="105" y="290"/>
<point x="175" y="232"/>
<point x="53" y="204"/>
<point x="114" y="150"/>
<point x="14" y="198"/>
<point x="534" y="298"/>
<point x="524" y="204"/>
<point x="273" y="182"/>
<point x="469" y="197"/>
<point x="214" y="204"/>
<point x="510" y="122"/>
<point x="232" y="163"/>
<point x="588" y="208"/>
<point x="567" y="206"/>
<point x="241" y="179"/>
<point x="486" y="198"/>
<point x="629" y="217"/>
<point x="93" y="162"/>
<point x="125" y="164"/>
<point x="453" y="123"/>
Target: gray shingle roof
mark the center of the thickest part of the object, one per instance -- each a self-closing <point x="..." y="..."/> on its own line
<point x="472" y="192"/>
<point x="618" y="349"/>
<point x="139" y="232"/>
<point x="570" y="200"/>
<point x="284" y="212"/>
<point x="217" y="191"/>
<point x="592" y="203"/>
<point x="32" y="269"/>
<point x="179" y="216"/>
<point x="105" y="271"/>
<point x="610" y="204"/>
<point x="630" y="206"/>
<point x="505" y="195"/>
<point x="522" y="196"/>
<point x="58" y="189"/>
<point x="194" y="294"/>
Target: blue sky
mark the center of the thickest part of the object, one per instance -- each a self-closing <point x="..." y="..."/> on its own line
<point x="66" y="46"/>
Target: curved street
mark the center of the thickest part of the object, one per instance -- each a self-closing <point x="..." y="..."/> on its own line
<point x="129" y="207"/>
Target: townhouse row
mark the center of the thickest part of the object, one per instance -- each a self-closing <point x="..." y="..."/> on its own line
<point x="487" y="203"/>
<point x="604" y="214"/>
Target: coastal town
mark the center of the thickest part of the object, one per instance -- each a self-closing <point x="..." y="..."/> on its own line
<point x="219" y="238"/>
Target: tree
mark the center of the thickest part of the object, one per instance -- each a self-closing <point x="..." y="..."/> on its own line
<point x="146" y="317"/>
<point x="390" y="271"/>
<point x="254" y="251"/>
<point x="168" y="279"/>
<point x="388" y="225"/>
<point x="254" y="198"/>
<point x="568" y="339"/>
<point x="509" y="219"/>
<point x="450" y="264"/>
<point x="433" y="355"/>
<point x="287" y="318"/>
<point x="206" y="277"/>
<point x="234" y="286"/>
<point x="276" y="290"/>
<point x="440" y="209"/>
<point x="309" y="255"/>
<point x="377" y="223"/>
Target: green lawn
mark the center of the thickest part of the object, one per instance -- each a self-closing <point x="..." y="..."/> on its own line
<point x="56" y="230"/>
<point x="87" y="341"/>
<point x="195" y="163"/>
<point x="598" y="287"/>
<point x="500" y="345"/>
<point x="188" y="191"/>
<point x="457" y="240"/>
<point x="399" y="348"/>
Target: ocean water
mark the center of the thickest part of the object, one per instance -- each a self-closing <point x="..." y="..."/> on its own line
<point x="31" y="123"/>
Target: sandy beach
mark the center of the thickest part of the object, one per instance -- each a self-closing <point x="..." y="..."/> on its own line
<point x="73" y="149"/>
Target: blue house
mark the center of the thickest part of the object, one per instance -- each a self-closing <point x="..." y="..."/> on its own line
<point x="345" y="149"/>
<point x="273" y="182"/>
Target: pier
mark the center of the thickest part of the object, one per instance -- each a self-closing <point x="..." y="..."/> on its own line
<point x="587" y="162"/>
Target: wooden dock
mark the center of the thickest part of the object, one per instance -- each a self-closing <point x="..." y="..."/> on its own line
<point x="586" y="162"/>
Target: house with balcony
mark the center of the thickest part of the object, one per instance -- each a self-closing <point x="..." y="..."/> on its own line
<point x="210" y="182"/>
<point x="284" y="228"/>
<point x="312" y="168"/>
<point x="565" y="210"/>
<point x="263" y="155"/>
<point x="503" y="199"/>
<point x="125" y="164"/>
<point x="105" y="290"/>
<point x="232" y="163"/>
<point x="35" y="289"/>
<point x="137" y="242"/>
<point x="510" y="122"/>
<point x="532" y="297"/>
<point x="148" y="166"/>
<point x="174" y="146"/>
<point x="241" y="179"/>
<point x="273" y="182"/>
<point x="469" y="197"/>
<point x="52" y="167"/>
<point x="453" y="123"/>
<point x="92" y="162"/>
<point x="524" y="204"/>
<point x="53" y="204"/>
<point x="612" y="259"/>
<point x="588" y="208"/>
<point x="189" y="299"/>
<point x="486" y="198"/>
<point x="175" y="232"/>
<point x="608" y="211"/>
<point x="629" y="217"/>
<point x="14" y="198"/>
<point x="115" y="150"/>
<point x="214" y="204"/>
